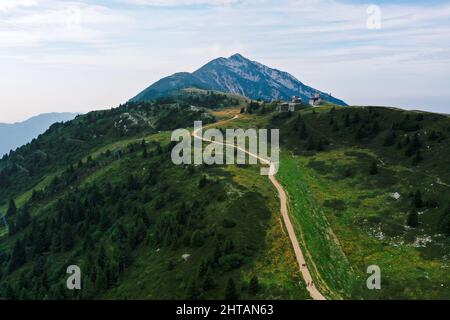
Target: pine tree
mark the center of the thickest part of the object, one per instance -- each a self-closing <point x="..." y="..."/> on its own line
<point x="415" y="145"/>
<point x="193" y="292"/>
<point x="24" y="218"/>
<point x="197" y="239"/>
<point x="202" y="182"/>
<point x="413" y="219"/>
<point x="360" y="134"/>
<point x="417" y="200"/>
<point x="373" y="168"/>
<point x="310" y="145"/>
<point x="34" y="195"/>
<point x="407" y="140"/>
<point x="445" y="223"/>
<point x="348" y="172"/>
<point x="217" y="253"/>
<point x="417" y="158"/>
<point x="356" y="118"/>
<point x="12" y="209"/>
<point x="253" y="286"/>
<point x="101" y="257"/>
<point x="10" y="292"/>
<point x="202" y="269"/>
<point x="433" y="136"/>
<point x="331" y="122"/>
<point x="229" y="246"/>
<point x="101" y="281"/>
<point x="105" y="221"/>
<point x="347" y="120"/>
<point x="320" y="145"/>
<point x="375" y="127"/>
<point x="231" y="291"/>
<point x="67" y="240"/>
<point x="390" y="139"/>
<point x="335" y="127"/>
<point x="18" y="256"/>
<point x="298" y="123"/>
<point x="123" y="257"/>
<point x="208" y="282"/>
<point x="56" y="242"/>
<point x="303" y="132"/>
<point x="132" y="183"/>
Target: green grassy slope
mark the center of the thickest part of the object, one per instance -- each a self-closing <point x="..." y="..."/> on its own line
<point x="338" y="202"/>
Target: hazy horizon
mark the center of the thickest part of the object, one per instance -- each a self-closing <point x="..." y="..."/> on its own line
<point x="39" y="115"/>
<point x="77" y="56"/>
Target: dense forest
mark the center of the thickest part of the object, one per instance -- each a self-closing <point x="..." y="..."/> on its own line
<point x="102" y="193"/>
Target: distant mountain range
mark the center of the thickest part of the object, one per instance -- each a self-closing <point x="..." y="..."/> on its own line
<point x="238" y="75"/>
<point x="17" y="134"/>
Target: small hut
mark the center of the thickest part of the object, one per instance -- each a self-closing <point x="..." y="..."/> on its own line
<point x="316" y="99"/>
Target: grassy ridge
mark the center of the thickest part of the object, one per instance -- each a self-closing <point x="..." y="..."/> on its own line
<point x="365" y="222"/>
<point x="331" y="187"/>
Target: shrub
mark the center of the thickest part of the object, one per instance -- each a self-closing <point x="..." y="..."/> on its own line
<point x="231" y="261"/>
<point x="413" y="219"/>
<point x="197" y="239"/>
<point x="228" y="224"/>
<point x="231" y="292"/>
<point x="373" y="169"/>
<point x="417" y="200"/>
<point x="253" y="286"/>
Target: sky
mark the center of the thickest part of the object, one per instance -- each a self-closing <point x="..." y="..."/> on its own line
<point x="58" y="56"/>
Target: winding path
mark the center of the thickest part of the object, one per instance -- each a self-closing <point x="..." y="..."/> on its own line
<point x="313" y="291"/>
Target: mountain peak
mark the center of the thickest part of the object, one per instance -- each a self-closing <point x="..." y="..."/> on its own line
<point x="237" y="75"/>
<point x="237" y="56"/>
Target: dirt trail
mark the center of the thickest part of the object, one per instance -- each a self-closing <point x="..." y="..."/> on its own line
<point x="313" y="291"/>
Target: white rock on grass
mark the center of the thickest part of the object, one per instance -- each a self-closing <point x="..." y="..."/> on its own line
<point x="396" y="195"/>
<point x="185" y="256"/>
<point x="422" y="241"/>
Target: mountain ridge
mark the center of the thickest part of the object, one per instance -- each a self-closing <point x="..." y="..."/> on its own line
<point x="237" y="75"/>
<point x="14" y="135"/>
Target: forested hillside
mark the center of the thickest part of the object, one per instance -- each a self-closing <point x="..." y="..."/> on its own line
<point x="367" y="186"/>
<point x="101" y="192"/>
<point x="67" y="143"/>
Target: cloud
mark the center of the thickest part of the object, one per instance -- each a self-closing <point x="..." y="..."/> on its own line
<point x="59" y="22"/>
<point x="181" y="3"/>
<point x="11" y="5"/>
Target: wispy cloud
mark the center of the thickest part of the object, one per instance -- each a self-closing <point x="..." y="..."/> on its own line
<point x="11" y="5"/>
<point x="181" y="3"/>
<point x="49" y="21"/>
